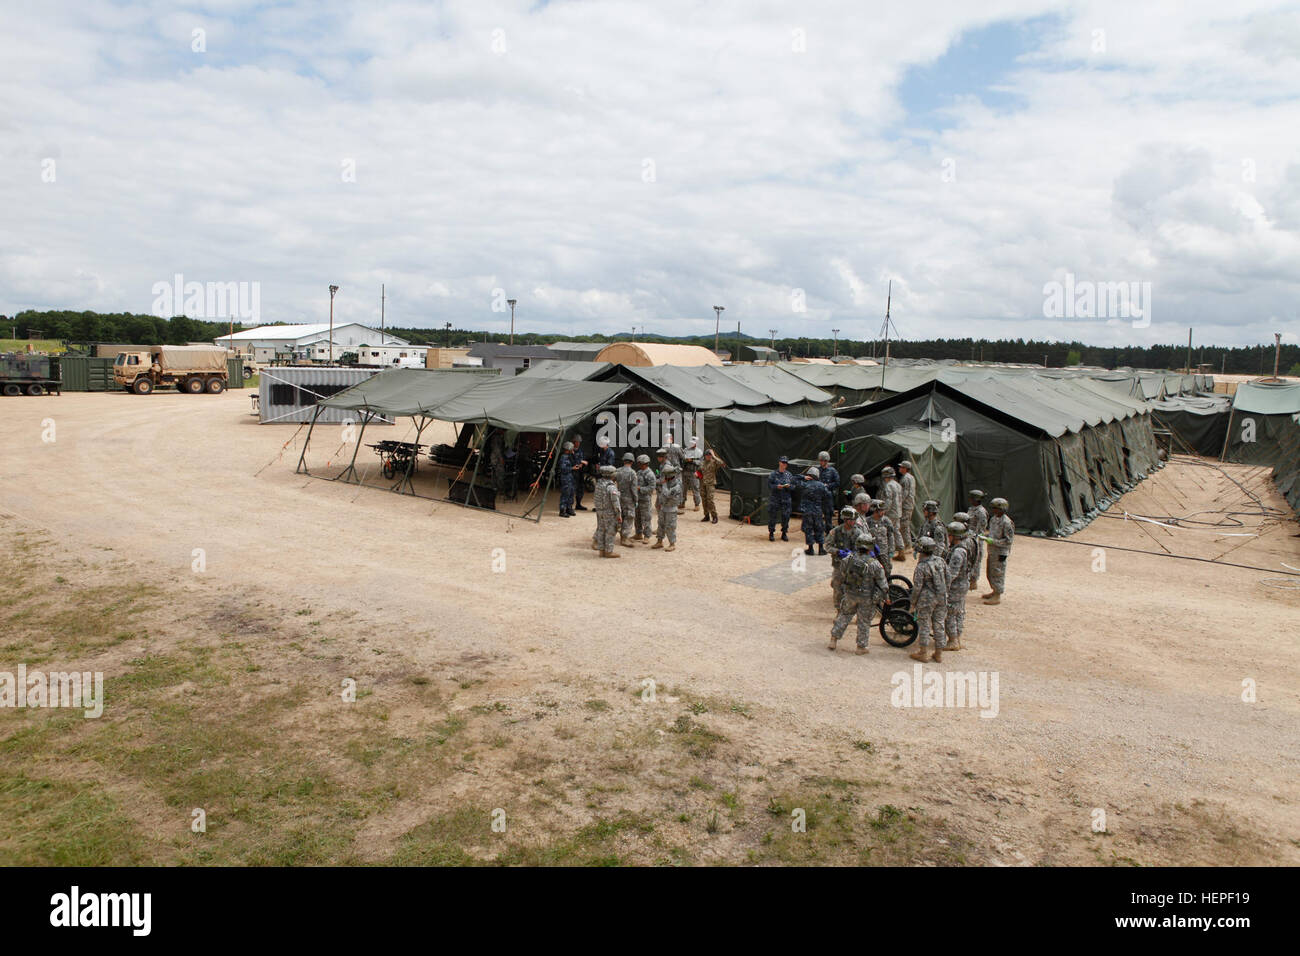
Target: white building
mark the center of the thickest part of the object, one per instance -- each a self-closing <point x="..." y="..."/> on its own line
<point x="389" y="356"/>
<point x="311" y="342"/>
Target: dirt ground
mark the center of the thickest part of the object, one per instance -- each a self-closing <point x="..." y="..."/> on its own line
<point x="521" y="700"/>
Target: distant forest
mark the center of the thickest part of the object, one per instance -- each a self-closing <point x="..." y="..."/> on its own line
<point x="78" y="327"/>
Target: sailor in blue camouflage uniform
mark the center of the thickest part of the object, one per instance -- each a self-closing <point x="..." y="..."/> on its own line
<point x="935" y="529"/>
<point x="865" y="589"/>
<point x="954" y="622"/>
<point x="606" y="454"/>
<point x="625" y="478"/>
<point x="976" y="526"/>
<point x="812" y="506"/>
<point x="565" y="466"/>
<point x="645" y="493"/>
<point x="609" y="512"/>
<point x="670" y="496"/>
<point x="830" y="477"/>
<point x="1002" y="531"/>
<point x="780" y="500"/>
<point x="929" y="602"/>
<point x="840" y="542"/>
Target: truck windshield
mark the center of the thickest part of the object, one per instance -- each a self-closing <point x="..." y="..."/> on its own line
<point x="121" y="359"/>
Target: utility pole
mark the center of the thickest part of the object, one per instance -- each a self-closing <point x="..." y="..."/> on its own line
<point x="717" y="324"/>
<point x="835" y="343"/>
<point x="511" y="303"/>
<point x="1277" y="355"/>
<point x="381" y="313"/>
<point x="773" y="331"/>
<point x="736" y="354"/>
<point x="333" y="289"/>
<point x="1189" y="351"/>
<point x="448" y="335"/>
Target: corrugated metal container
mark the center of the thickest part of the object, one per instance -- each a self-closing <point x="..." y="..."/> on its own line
<point x="85" y="373"/>
<point x="236" y="368"/>
<point x="288" y="393"/>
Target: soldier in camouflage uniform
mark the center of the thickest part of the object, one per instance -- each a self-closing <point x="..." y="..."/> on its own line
<point x="857" y="486"/>
<point x="811" y="504"/>
<point x="935" y="529"/>
<point x="891" y="493"/>
<point x="670" y="496"/>
<point x="625" y="478"/>
<point x="565" y="467"/>
<point x="608" y="513"/>
<point x="840" y="542"/>
<point x="645" y="490"/>
<point x="929" y="602"/>
<point x="976" y="526"/>
<point x="959" y="556"/>
<point x="907" y="482"/>
<point x="884" y="533"/>
<point x="673" y="452"/>
<point x="830" y="477"/>
<point x="690" y="465"/>
<point x="709" y="468"/>
<point x="1002" y="531"/>
<point x="865" y="588"/>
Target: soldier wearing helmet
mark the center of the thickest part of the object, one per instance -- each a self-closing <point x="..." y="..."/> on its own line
<point x="670" y="497"/>
<point x="840" y="542"/>
<point x="976" y="526"/>
<point x="1001" y="533"/>
<point x="929" y="601"/>
<point x="865" y="589"/>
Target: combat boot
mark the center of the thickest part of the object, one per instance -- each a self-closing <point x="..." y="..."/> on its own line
<point x="784" y="536"/>
<point x="821" y="550"/>
<point x="808" y="550"/>
<point x="938" y="655"/>
<point x="610" y="554"/>
<point x="995" y="599"/>
<point x="860" y="650"/>
<point x="831" y="645"/>
<point x="920" y="654"/>
<point x="658" y="544"/>
<point x="715" y="519"/>
<point x="771" y="536"/>
<point x="705" y="518"/>
<point x="954" y="644"/>
<point x="671" y="547"/>
<point x="624" y="541"/>
<point x="594" y="546"/>
<point x="973" y="586"/>
<point x="638" y="536"/>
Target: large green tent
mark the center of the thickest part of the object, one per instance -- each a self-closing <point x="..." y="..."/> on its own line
<point x="1260" y="421"/>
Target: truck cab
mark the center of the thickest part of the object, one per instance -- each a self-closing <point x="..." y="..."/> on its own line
<point x="128" y="367"/>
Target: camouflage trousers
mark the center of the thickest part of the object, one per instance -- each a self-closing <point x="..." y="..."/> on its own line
<point x="997" y="571"/>
<point x="975" y="560"/>
<point x="706" y="490"/>
<point x="628" y="508"/>
<point x="955" y="620"/>
<point x="930" y="614"/>
<point x="606" y="531"/>
<point x="644" y="523"/>
<point x="837" y="585"/>
<point x="667" y="525"/>
<point x="854" y="604"/>
<point x="905" y="531"/>
<point x="692" y="484"/>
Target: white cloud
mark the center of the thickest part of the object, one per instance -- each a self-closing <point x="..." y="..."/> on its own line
<point x="773" y="169"/>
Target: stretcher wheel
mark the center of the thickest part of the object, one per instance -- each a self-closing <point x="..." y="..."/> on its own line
<point x="900" y="589"/>
<point x="897" y="627"/>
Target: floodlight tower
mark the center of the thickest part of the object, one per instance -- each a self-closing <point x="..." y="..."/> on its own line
<point x="717" y="325"/>
<point x="333" y="289"/>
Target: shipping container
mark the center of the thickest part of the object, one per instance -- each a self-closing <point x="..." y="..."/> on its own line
<point x="289" y="393"/>
<point x="86" y="373"/>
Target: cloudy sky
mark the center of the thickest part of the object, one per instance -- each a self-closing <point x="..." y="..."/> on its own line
<point x="615" y="164"/>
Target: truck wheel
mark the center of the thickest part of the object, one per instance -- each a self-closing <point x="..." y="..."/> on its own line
<point x="142" y="386"/>
<point x="35" y="389"/>
<point x="12" y="389"/>
<point x="216" y="386"/>
<point x="193" y="385"/>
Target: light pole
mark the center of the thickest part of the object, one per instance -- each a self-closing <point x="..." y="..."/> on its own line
<point x="717" y="324"/>
<point x="835" y="348"/>
<point x="332" y="290"/>
<point x="511" y="303"/>
<point x="773" y="331"/>
<point x="448" y="335"/>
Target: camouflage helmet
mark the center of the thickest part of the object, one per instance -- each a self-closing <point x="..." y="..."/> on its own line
<point x="643" y="459"/>
<point x="607" y="470"/>
<point x="977" y="494"/>
<point x="823" y="456"/>
<point x="999" y="503"/>
<point x="848" y="512"/>
<point x="628" y="456"/>
<point x="864" y="542"/>
<point x="927" y="545"/>
<point x="861" y="498"/>
<point x="812" y="473"/>
<point x="887" y="472"/>
<point x="568" y="446"/>
<point x="877" y="504"/>
<point x="957" y="528"/>
<point x="931" y="505"/>
<point x="670" y="469"/>
<point x="961" y="516"/>
<point x="662" y="452"/>
<point x="857" y="479"/>
<point x="905" y="464"/>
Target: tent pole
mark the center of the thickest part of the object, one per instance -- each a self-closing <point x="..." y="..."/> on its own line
<point x="351" y="469"/>
<point x="302" y="459"/>
<point x="478" y="461"/>
<point x="550" y="474"/>
<point x="1227" y="435"/>
<point x="410" y="465"/>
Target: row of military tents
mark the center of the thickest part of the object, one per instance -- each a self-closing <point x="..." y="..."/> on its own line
<point x="1059" y="444"/>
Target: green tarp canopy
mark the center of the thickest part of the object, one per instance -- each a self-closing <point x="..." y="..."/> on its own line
<point x="1196" y="424"/>
<point x="1263" y="398"/>
<point x="779" y="387"/>
<point x="935" y="468"/>
<point x="1260" y="422"/>
<point x="1286" y="473"/>
<point x="758" y="439"/>
<point x="566" y="371"/>
<point x="516" y="403"/>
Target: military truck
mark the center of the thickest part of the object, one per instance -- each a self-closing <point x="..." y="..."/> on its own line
<point x="28" y="374"/>
<point x="190" y="368"/>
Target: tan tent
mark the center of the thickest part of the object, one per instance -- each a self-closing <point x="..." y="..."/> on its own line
<point x="642" y="354"/>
